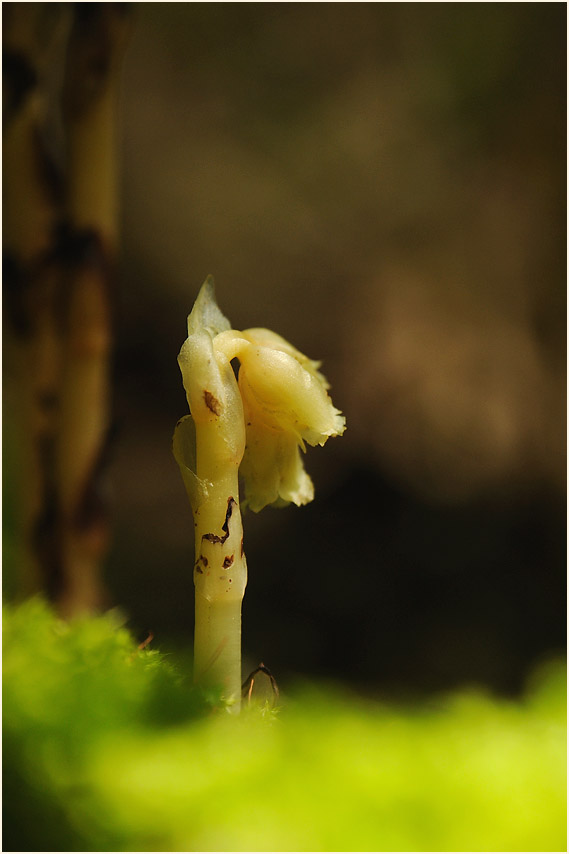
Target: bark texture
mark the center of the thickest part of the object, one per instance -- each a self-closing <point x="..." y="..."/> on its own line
<point x="61" y="74"/>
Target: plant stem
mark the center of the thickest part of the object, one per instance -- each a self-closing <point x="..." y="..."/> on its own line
<point x="217" y="650"/>
<point x="220" y="570"/>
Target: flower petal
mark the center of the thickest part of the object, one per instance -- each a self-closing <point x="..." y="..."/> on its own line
<point x="267" y="338"/>
<point x="285" y="395"/>
<point x="272" y="469"/>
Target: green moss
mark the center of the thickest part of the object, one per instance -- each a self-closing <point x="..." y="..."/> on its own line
<point x="106" y="748"/>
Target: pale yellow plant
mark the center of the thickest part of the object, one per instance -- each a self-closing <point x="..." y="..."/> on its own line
<point x="249" y="423"/>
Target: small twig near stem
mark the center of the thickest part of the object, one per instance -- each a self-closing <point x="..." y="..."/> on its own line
<point x="148" y="640"/>
<point x="247" y="687"/>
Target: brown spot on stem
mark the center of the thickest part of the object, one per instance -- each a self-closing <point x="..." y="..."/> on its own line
<point x="201" y="559"/>
<point x="214" y="538"/>
<point x="212" y="403"/>
<point x="228" y="561"/>
<point x="241" y="546"/>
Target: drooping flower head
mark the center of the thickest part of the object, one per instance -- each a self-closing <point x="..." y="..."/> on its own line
<point x="266" y="415"/>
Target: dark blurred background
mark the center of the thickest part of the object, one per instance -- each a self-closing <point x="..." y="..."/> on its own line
<point x="384" y="185"/>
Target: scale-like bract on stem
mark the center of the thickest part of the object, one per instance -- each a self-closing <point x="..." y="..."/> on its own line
<point x="252" y="426"/>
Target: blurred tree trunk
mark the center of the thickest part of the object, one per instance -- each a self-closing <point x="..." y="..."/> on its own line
<point x="61" y="70"/>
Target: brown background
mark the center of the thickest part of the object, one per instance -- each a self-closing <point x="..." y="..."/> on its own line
<point x="384" y="185"/>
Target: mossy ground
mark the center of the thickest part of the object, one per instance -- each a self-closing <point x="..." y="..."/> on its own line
<point x="106" y="747"/>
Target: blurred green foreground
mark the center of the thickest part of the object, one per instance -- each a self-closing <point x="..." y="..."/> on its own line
<point x="107" y="748"/>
